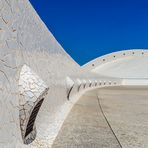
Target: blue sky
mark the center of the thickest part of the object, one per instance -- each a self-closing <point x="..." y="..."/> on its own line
<point x="90" y="28"/>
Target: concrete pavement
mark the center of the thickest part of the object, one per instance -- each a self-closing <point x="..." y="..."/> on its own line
<point x="85" y="127"/>
<point x="126" y="111"/>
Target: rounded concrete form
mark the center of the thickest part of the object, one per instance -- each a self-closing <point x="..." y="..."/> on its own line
<point x="40" y="83"/>
<point x="122" y="64"/>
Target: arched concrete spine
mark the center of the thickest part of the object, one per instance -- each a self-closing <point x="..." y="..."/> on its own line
<point x="114" y="56"/>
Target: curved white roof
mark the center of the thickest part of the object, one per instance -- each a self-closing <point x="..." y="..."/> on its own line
<point x="122" y="64"/>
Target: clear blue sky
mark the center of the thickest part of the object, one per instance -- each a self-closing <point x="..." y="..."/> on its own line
<point x="90" y="28"/>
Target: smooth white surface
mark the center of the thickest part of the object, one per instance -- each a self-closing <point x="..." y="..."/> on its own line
<point x="135" y="82"/>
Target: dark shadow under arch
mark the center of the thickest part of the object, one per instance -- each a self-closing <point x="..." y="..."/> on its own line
<point x="32" y="118"/>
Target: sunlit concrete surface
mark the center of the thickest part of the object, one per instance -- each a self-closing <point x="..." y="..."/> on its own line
<point x="86" y="127"/>
<point x="125" y="110"/>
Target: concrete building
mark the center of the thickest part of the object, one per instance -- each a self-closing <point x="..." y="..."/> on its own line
<point x="40" y="83"/>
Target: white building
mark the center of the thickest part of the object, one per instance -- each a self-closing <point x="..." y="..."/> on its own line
<point x="40" y="82"/>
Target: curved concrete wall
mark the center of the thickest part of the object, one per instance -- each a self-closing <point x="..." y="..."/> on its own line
<point x="39" y="81"/>
<point x="25" y="40"/>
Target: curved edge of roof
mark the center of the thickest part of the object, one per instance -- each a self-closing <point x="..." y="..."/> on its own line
<point x="114" y="56"/>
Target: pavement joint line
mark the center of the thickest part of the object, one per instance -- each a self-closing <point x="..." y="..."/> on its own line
<point x="108" y="122"/>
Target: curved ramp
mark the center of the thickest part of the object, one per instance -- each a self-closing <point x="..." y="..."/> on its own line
<point x="118" y="119"/>
<point x="86" y="127"/>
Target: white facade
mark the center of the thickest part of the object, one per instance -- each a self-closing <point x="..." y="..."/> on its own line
<point x="40" y="82"/>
